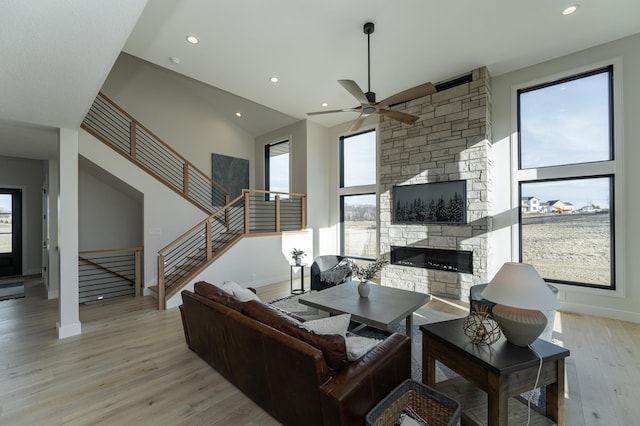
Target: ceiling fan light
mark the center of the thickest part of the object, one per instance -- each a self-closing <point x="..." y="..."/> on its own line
<point x="369" y="110"/>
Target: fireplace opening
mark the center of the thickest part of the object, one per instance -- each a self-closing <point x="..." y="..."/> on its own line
<point x="443" y="260"/>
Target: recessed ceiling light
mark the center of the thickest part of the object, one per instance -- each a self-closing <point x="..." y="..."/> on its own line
<point x="324" y="104"/>
<point x="273" y="79"/>
<point x="174" y="60"/>
<point x="192" y="39"/>
<point x="570" y="9"/>
<point x="238" y="114"/>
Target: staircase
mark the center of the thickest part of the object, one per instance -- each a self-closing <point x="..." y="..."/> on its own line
<point x="253" y="213"/>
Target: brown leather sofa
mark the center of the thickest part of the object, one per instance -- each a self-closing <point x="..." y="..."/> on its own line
<point x="299" y="377"/>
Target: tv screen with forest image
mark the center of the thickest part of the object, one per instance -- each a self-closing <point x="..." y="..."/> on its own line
<point x="438" y="202"/>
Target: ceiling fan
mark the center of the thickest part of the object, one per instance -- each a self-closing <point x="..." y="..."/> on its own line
<point x="368" y="104"/>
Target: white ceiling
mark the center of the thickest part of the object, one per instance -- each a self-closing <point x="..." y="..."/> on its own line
<point x="56" y="55"/>
<point x="309" y="45"/>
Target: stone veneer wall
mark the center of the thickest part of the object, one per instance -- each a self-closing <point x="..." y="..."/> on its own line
<point x="451" y="141"/>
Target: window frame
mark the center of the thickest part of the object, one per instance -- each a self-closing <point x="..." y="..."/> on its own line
<point x="357" y="190"/>
<point x="612" y="168"/>
<point x="267" y="165"/>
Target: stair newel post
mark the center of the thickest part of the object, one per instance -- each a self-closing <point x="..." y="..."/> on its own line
<point x="137" y="266"/>
<point x="277" y="213"/>
<point x="209" y="242"/>
<point x="303" y="209"/>
<point x="185" y="178"/>
<point x="132" y="140"/>
<point x="226" y="211"/>
<point x="247" y="204"/>
<point x="162" y="303"/>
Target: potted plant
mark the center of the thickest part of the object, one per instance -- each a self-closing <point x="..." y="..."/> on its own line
<point x="366" y="273"/>
<point x="297" y="255"/>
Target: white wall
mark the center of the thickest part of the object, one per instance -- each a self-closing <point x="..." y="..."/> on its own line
<point x="596" y="302"/>
<point x="254" y="262"/>
<point x="25" y="174"/>
<point x="108" y="217"/>
<point x="166" y="215"/>
<point x="166" y="104"/>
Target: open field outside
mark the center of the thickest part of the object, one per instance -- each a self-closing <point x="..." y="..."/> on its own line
<point x="569" y="247"/>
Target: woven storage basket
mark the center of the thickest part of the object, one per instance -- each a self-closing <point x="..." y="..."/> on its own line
<point x="433" y="406"/>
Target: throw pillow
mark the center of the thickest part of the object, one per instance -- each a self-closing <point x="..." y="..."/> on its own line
<point x="359" y="345"/>
<point x="331" y="325"/>
<point x="231" y="286"/>
<point x="243" y="294"/>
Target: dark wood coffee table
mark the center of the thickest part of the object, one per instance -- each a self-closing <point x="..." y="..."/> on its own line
<point x="501" y="370"/>
<point x="384" y="308"/>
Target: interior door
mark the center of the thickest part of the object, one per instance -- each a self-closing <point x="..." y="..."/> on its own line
<point x="10" y="232"/>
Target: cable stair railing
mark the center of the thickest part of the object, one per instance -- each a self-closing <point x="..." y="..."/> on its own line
<point x="254" y="213"/>
<point x="113" y="126"/>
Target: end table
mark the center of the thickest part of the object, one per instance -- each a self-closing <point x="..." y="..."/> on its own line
<point x="501" y="370"/>
<point x="301" y="267"/>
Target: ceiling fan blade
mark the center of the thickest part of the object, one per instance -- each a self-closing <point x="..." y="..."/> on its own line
<point x="334" y="110"/>
<point x="355" y="90"/>
<point x="357" y="124"/>
<point x="399" y="116"/>
<point x="408" y="95"/>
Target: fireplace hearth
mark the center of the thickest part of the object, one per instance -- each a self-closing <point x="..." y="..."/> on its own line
<point x="460" y="261"/>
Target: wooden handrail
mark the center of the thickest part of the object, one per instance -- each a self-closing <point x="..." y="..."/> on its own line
<point x="200" y="224"/>
<point x="137" y="262"/>
<point x="122" y="250"/>
<point x="176" y="153"/>
<point x="197" y="244"/>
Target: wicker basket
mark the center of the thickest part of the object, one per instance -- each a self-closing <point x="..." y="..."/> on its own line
<point x="433" y="406"/>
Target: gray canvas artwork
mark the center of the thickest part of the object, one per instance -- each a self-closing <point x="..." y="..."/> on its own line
<point x="231" y="173"/>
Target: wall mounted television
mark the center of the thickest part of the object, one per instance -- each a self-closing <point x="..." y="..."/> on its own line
<point x="436" y="202"/>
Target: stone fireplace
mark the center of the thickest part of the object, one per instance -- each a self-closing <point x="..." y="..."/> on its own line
<point x="450" y="142"/>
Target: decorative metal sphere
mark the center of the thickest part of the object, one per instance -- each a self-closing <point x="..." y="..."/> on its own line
<point x="481" y="328"/>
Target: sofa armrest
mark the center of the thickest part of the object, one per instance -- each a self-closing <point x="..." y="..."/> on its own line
<point x="353" y="391"/>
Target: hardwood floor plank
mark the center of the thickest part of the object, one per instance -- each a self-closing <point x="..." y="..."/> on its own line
<point x="131" y="366"/>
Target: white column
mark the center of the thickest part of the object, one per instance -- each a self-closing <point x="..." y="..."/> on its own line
<point x="53" y="193"/>
<point x="69" y="312"/>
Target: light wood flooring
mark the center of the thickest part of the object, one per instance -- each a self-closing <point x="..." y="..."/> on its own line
<point x="131" y="366"/>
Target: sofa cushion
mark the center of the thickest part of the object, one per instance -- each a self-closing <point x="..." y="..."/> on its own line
<point x="217" y="294"/>
<point x="242" y="294"/>
<point x="333" y="346"/>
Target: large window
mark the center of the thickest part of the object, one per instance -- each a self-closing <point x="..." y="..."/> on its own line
<point x="277" y="167"/>
<point x="358" y="195"/>
<point x="566" y="179"/>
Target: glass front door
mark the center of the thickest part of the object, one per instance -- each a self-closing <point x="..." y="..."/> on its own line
<point x="10" y="232"/>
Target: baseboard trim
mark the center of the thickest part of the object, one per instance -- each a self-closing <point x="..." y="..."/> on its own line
<point x="598" y="311"/>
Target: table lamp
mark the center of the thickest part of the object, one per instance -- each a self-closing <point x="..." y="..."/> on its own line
<point x="520" y="294"/>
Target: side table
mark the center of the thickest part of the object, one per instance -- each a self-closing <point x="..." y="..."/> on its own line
<point x="502" y="370"/>
<point x="301" y="289"/>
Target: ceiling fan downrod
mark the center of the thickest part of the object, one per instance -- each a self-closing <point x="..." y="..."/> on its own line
<point x="368" y="30"/>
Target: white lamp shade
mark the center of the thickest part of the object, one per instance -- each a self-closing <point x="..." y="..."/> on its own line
<point x="520" y="286"/>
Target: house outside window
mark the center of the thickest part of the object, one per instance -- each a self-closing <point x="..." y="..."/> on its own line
<point x="358" y="195"/>
<point x="566" y="179"/>
<point x="277" y="169"/>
